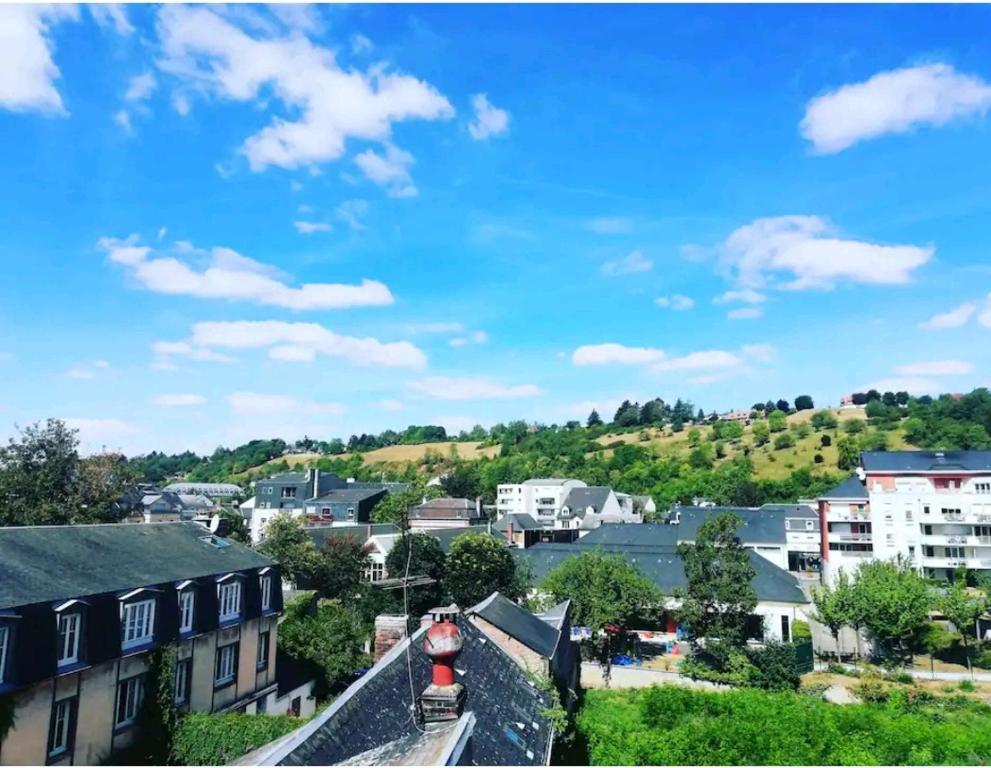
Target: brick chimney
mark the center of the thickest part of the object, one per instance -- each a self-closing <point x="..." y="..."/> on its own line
<point x="443" y="699"/>
<point x="389" y="630"/>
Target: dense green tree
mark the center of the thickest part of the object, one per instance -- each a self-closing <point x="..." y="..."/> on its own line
<point x="418" y="554"/>
<point x="653" y="412"/>
<point x="286" y="542"/>
<point x="594" y="420"/>
<point x="833" y="606"/>
<point x="627" y="415"/>
<point x="603" y="589"/>
<point x="340" y="567"/>
<point x="782" y="405"/>
<point x="720" y="598"/>
<point x="478" y="565"/>
<point x="963" y="607"/>
<point x="848" y="454"/>
<point x="328" y="634"/>
<point x="784" y="440"/>
<point x="761" y="432"/>
<point x="804" y="403"/>
<point x="694" y="437"/>
<point x="823" y="420"/>
<point x="776" y="421"/>
<point x="462" y="481"/>
<point x="895" y="602"/>
<point x="395" y="507"/>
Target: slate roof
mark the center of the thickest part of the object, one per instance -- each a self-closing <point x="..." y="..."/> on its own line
<point x="47" y="563"/>
<point x="851" y="488"/>
<point x="792" y="510"/>
<point x="664" y="567"/>
<point x="209" y="489"/>
<point x="518" y="623"/>
<point x="521" y="522"/>
<point x="347" y="494"/>
<point x="759" y="526"/>
<point x="579" y="499"/>
<point x="648" y="534"/>
<point x="376" y="710"/>
<point x="556" y="615"/>
<point x="320" y="533"/>
<point x="448" y="503"/>
<point x="926" y="461"/>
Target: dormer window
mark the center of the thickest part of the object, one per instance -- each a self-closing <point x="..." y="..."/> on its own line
<point x="229" y="599"/>
<point x="187" y="602"/>
<point x="69" y="626"/>
<point x="137" y="620"/>
<point x="4" y="644"/>
<point x="265" y="582"/>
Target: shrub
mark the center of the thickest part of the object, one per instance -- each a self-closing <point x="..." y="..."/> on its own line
<point x="203" y="739"/>
<point x="870" y="689"/>
<point x="814" y="690"/>
<point x="899" y="677"/>
<point x="983" y="659"/>
<point x="967" y="686"/>
<point x="800" y="630"/>
<point x="784" y="440"/>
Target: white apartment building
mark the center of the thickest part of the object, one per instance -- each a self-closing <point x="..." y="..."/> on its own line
<point x="932" y="508"/>
<point x="541" y="498"/>
<point x="561" y="504"/>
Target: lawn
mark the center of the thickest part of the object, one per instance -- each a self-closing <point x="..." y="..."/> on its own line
<point x="670" y="725"/>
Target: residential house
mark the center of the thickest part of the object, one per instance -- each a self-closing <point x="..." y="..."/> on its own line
<point x="446" y="513"/>
<point x="565" y="506"/>
<point x="159" y="507"/>
<point x="932" y="508"/>
<point x="447" y="695"/>
<point x="210" y="490"/>
<point x="82" y="609"/>
<point x="521" y="530"/>
<point x="653" y="548"/>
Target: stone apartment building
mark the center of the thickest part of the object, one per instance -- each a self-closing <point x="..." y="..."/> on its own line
<point x="83" y="608"/>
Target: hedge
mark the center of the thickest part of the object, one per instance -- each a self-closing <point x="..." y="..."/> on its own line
<point x="202" y="739"/>
<point x="672" y="725"/>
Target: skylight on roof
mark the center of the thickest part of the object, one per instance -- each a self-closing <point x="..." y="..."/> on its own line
<point x="215" y="541"/>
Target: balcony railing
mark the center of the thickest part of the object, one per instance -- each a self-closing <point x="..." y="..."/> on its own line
<point x="862" y="537"/>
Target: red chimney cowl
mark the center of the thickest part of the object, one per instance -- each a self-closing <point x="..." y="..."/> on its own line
<point x="442" y="643"/>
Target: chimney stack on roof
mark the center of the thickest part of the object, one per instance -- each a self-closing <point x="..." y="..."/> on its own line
<point x="389" y="630"/>
<point x="443" y="699"/>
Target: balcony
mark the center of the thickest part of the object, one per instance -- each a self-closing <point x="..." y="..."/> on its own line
<point x="950" y="562"/>
<point x="865" y="538"/>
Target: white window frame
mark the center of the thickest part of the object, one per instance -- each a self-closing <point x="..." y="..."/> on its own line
<point x="68" y="643"/>
<point x="141" y="630"/>
<point x="61" y="726"/>
<point x="261" y="659"/>
<point x="187" y="607"/>
<point x="225" y="666"/>
<point x="229" y="600"/>
<point x="182" y="681"/>
<point x="132" y="689"/>
<point x="4" y="644"/>
<point x="266" y="590"/>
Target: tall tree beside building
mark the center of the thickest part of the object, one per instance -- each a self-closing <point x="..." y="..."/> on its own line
<point x="720" y="598"/>
<point x="419" y="554"/>
<point x="339" y="567"/>
<point x="479" y="565"/>
<point x="963" y="607"/>
<point x="895" y="602"/>
<point x="286" y="542"/>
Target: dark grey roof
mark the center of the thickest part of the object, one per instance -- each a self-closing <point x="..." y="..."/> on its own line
<point x="649" y="534"/>
<point x="556" y="615"/>
<point x="210" y="489"/>
<point x="792" y="510"/>
<point x="46" y="563"/>
<point x="320" y="533"/>
<point x="348" y="494"/>
<point x="447" y="503"/>
<point x="521" y="522"/>
<point x="579" y="499"/>
<point x="851" y="488"/>
<point x="285" y="477"/>
<point x="510" y="725"/>
<point x="518" y="623"/>
<point x="664" y="567"/>
<point x="926" y="461"/>
<point x="758" y="526"/>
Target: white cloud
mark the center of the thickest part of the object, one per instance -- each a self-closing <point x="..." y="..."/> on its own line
<point x="675" y="301"/>
<point x="111" y="15"/>
<point x="952" y="319"/>
<point x="324" y="105"/>
<point x="615" y="354"/>
<point x="309" y="227"/>
<point x="123" y="118"/>
<point x="257" y="404"/>
<point x="360" y="44"/>
<point x="711" y="358"/>
<point x="27" y="69"/>
<point x="633" y="263"/>
<point x="140" y="87"/>
<point x="92" y="431"/>
<point x="936" y="368"/>
<point x="390" y="171"/>
<point x="984" y="318"/>
<point x="178" y="401"/>
<point x="610" y="225"/>
<point x="470" y="388"/>
<point x="746" y="295"/>
<point x="265" y="334"/>
<point x="351" y="213"/>
<point x="167" y="350"/>
<point x="477" y="337"/>
<point x="229" y="275"/>
<point x="434" y="328"/>
<point x="292" y="354"/>
<point x="390" y="405"/>
<point x="805" y="250"/>
<point x="762" y="353"/>
<point x="745" y="313"/>
<point x="489" y="120"/>
<point x="88" y="370"/>
<point x="892" y="102"/>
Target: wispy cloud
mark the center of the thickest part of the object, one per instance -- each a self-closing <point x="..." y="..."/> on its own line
<point x="178" y="401"/>
<point x="633" y="263"/>
<point x="489" y="120"/>
<point x="87" y="370"/>
<point x="675" y="301"/>
<point x="260" y="404"/>
<point x="470" y="388"/>
<point x="28" y="73"/>
<point x="936" y="368"/>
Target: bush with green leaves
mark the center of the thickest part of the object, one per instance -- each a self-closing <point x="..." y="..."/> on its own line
<point x="203" y="739"/>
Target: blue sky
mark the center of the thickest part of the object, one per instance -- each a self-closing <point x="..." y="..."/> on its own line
<point x="220" y="223"/>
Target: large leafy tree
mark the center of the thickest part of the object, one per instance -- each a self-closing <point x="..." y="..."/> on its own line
<point x="479" y="565"/>
<point x="43" y="480"/>
<point x="395" y="507"/>
<point x="894" y="602"/>
<point x="835" y="607"/>
<point x="963" y="607"/>
<point x="720" y="598"/>
<point x="462" y="481"/>
<point x="286" y="542"/>
<point x="418" y="554"/>
<point x="603" y="589"/>
<point x="326" y="633"/>
<point x="340" y="567"/>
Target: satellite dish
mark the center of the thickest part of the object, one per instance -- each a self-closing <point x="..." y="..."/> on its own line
<point x="214" y="523"/>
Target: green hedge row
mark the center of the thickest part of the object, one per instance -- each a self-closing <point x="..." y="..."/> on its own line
<point x="670" y="725"/>
<point x="202" y="739"/>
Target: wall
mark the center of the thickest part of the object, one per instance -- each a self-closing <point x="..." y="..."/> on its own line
<point x="772" y="613"/>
